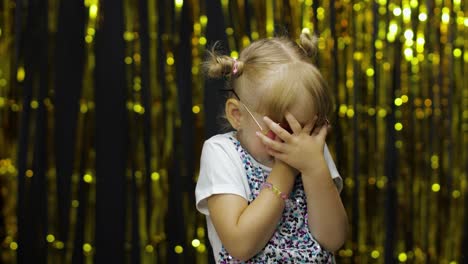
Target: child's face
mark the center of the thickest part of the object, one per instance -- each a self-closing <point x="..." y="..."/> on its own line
<point x="253" y="122"/>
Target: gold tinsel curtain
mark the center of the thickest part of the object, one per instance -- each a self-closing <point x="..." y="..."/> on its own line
<point x="103" y="110"/>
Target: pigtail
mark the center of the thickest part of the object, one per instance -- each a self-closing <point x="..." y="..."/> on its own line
<point x="221" y="66"/>
<point x="308" y="43"/>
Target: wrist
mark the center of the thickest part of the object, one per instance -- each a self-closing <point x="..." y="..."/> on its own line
<point x="282" y="176"/>
<point x="316" y="166"/>
<point x="285" y="168"/>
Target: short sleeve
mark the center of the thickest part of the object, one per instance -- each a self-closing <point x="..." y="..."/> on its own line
<point x="220" y="172"/>
<point x="332" y="167"/>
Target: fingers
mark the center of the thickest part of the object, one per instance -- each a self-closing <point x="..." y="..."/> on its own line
<point x="310" y="125"/>
<point x="293" y="123"/>
<point x="271" y="144"/>
<point x="322" y="131"/>
<point x="277" y="155"/>
<point x="277" y="129"/>
<point x="273" y="153"/>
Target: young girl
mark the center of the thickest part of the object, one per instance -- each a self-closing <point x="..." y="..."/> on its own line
<point x="270" y="189"/>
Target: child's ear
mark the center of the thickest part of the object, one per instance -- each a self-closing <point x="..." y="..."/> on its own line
<point x="233" y="113"/>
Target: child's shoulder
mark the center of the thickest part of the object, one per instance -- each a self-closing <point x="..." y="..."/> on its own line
<point x="220" y="148"/>
<point x="221" y="139"/>
<point x="220" y="145"/>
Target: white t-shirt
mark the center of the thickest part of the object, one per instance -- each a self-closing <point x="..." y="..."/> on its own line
<point x="222" y="171"/>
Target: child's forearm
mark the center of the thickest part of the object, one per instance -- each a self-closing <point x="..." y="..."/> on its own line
<point x="327" y="217"/>
<point x="258" y="221"/>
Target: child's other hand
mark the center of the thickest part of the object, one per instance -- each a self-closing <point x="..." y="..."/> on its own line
<point x="301" y="149"/>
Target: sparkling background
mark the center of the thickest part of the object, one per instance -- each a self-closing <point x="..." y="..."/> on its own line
<point x="400" y="133"/>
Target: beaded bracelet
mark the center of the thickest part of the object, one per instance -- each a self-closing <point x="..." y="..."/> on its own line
<point x="275" y="190"/>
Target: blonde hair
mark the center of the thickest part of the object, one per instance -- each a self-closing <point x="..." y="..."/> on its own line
<point x="276" y="70"/>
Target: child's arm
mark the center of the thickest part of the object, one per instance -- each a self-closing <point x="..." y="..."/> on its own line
<point x="326" y="213"/>
<point x="245" y="229"/>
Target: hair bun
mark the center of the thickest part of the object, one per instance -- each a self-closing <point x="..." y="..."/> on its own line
<point x="308" y="43"/>
<point x="219" y="66"/>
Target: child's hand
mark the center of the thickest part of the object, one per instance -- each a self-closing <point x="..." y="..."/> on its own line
<point x="302" y="148"/>
<point x="279" y="162"/>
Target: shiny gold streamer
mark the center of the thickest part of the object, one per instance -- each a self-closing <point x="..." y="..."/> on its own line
<point x="9" y="113"/>
<point x="420" y="48"/>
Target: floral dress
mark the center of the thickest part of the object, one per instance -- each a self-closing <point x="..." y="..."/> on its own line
<point x="292" y="242"/>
